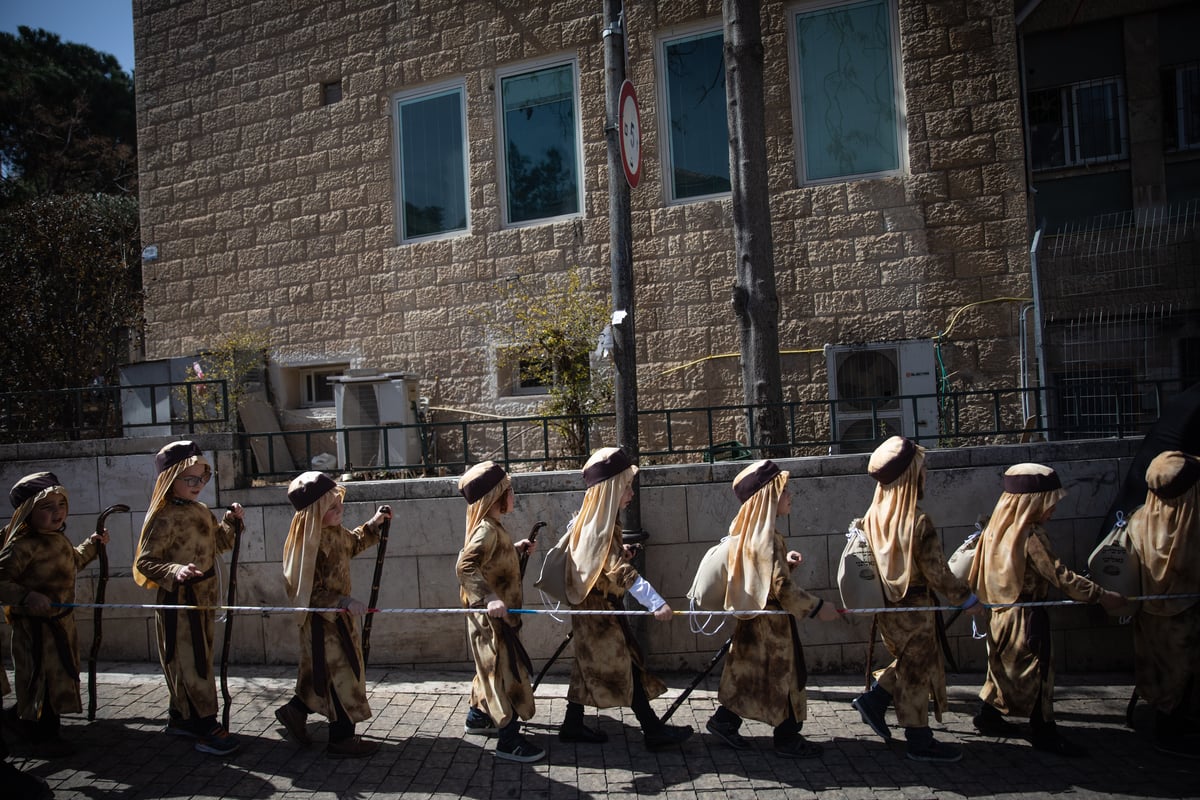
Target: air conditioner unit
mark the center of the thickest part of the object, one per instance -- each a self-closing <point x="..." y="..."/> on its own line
<point x="879" y="390"/>
<point x="375" y="400"/>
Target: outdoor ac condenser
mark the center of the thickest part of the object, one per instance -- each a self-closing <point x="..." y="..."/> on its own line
<point x="881" y="389"/>
<point x="372" y="399"/>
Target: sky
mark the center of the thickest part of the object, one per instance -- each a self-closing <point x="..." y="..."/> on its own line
<point x="104" y="25"/>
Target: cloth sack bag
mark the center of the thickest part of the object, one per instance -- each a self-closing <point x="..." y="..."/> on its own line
<point x="552" y="579"/>
<point x="712" y="576"/>
<point x="962" y="558"/>
<point x="1115" y="566"/>
<point x="858" y="577"/>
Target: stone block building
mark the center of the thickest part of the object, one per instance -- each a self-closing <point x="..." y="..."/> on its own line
<point x="361" y="178"/>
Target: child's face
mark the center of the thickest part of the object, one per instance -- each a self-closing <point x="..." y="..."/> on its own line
<point x="506" y="504"/>
<point x="333" y="514"/>
<point x="784" y="506"/>
<point x="191" y="482"/>
<point x="49" y="514"/>
<point x="627" y="497"/>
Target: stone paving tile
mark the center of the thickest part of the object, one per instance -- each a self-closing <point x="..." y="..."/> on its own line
<point x="424" y="754"/>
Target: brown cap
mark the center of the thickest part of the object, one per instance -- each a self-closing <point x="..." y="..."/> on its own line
<point x="1172" y="473"/>
<point x="1030" y="479"/>
<point x="890" y="459"/>
<point x="30" y="486"/>
<point x="175" y="452"/>
<point x="754" y="477"/>
<point x="309" y="487"/>
<point x="479" y="480"/>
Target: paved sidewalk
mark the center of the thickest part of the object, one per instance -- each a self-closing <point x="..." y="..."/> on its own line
<point x="418" y="717"/>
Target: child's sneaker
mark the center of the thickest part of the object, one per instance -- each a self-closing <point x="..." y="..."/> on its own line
<point x="218" y="742"/>
<point x="521" y="750"/>
<point x="354" y="747"/>
<point x="180" y="727"/>
<point x="479" y="724"/>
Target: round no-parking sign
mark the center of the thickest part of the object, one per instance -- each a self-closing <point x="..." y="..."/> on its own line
<point x="629" y="120"/>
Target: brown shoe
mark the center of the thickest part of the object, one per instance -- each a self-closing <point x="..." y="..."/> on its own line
<point x="354" y="747"/>
<point x="295" y="722"/>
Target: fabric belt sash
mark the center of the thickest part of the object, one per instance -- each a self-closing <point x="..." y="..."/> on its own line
<point x="195" y="622"/>
<point x="61" y="645"/>
<point x="320" y="672"/>
<point x="517" y="655"/>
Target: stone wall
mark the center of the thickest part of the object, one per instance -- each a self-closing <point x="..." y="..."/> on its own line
<point x="272" y="211"/>
<point x="685" y="509"/>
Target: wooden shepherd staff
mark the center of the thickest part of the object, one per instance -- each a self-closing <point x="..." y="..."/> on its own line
<point x="371" y="603"/>
<point x="97" y="625"/>
<point x="231" y="600"/>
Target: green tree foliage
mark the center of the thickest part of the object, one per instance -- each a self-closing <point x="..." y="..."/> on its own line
<point x="67" y="118"/>
<point x="240" y="359"/>
<point x="549" y="328"/>
<point x="71" y="269"/>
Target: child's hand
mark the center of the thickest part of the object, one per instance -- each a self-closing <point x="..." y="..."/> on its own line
<point x="355" y="607"/>
<point x="1112" y="600"/>
<point x="794" y="558"/>
<point x="384" y="513"/>
<point x="630" y="551"/>
<point x="188" y="572"/>
<point x="99" y="538"/>
<point x="235" y="511"/>
<point x="526" y="546"/>
<point x="663" y="612"/>
<point x="37" y="602"/>
<point x="828" y="612"/>
<point x="496" y="608"/>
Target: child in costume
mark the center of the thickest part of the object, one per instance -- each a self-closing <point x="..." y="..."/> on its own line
<point x="316" y="568"/>
<point x="489" y="572"/>
<point x="760" y="567"/>
<point x="610" y="668"/>
<point x="177" y="554"/>
<point x="1015" y="563"/>
<point x="38" y="566"/>
<point x="1165" y="533"/>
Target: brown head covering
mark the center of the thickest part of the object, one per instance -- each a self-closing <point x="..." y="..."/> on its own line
<point x="751" y="561"/>
<point x="998" y="571"/>
<point x="170" y="462"/>
<point x="311" y="494"/>
<point x="1165" y="532"/>
<point x="897" y="465"/>
<point x="27" y="493"/>
<point x="482" y="486"/>
<point x="595" y="528"/>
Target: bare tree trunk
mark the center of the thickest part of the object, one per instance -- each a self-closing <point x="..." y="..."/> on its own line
<point x="755" y="300"/>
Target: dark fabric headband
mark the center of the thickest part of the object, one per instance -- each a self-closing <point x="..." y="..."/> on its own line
<point x="748" y="485"/>
<point x="30" y="486"/>
<point x="309" y="488"/>
<point x="478" y="487"/>
<point x="894" y="467"/>
<point x="611" y="466"/>
<point x="175" y="452"/>
<point x="1031" y="483"/>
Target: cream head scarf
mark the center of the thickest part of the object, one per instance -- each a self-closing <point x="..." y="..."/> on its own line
<point x="170" y="462"/>
<point x="483" y="485"/>
<point x="311" y="494"/>
<point x="607" y="474"/>
<point x="27" y="493"/>
<point x="1166" y="532"/>
<point x="898" y="466"/>
<point x="998" y="571"/>
<point x="752" y="544"/>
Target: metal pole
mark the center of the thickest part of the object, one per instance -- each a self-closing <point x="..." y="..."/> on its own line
<point x="621" y="257"/>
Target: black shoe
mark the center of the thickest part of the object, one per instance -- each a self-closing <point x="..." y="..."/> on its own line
<point x="727" y="734"/>
<point x="798" y="747"/>
<point x="1056" y="744"/>
<point x="479" y="724"/>
<point x="521" y="750"/>
<point x="668" y="736"/>
<point x="872" y="715"/>
<point x="937" y="752"/>
<point x="581" y="734"/>
<point x="993" y="724"/>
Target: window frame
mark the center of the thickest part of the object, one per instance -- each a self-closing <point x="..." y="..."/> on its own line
<point x="399" y="100"/>
<point x="1179" y="77"/>
<point x="900" y="128"/>
<point x="1069" y="123"/>
<point x="664" y="39"/>
<point x="524" y="68"/>
<point x="309" y="374"/>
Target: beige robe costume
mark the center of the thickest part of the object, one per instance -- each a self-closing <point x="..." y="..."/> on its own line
<point x="1165" y="533"/>
<point x="45" y="648"/>
<point x="606" y="652"/>
<point x="184" y="532"/>
<point x="317" y="573"/>
<point x="912" y="566"/>
<point x="1015" y="563"/>
<point x="765" y="674"/>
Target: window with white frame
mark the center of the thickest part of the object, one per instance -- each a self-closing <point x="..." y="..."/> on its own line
<point x="539" y="140"/>
<point x="1080" y="123"/>
<point x="1181" y="106"/>
<point x="847" y="91"/>
<point x="431" y="160"/>
<point x="317" y="390"/>
<point x="697" y="140"/>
